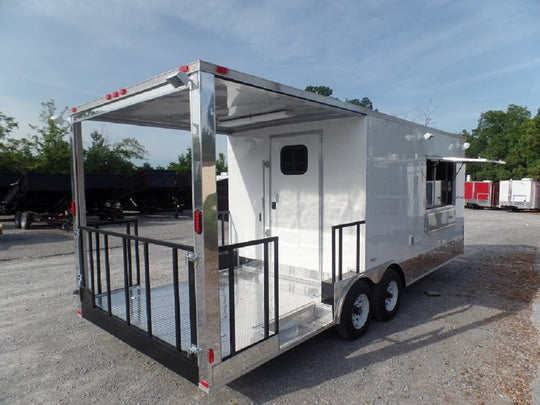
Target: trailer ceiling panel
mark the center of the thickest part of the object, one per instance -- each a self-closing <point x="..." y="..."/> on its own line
<point x="239" y="107"/>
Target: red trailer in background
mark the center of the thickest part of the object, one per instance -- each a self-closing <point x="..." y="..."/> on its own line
<point x="481" y="194"/>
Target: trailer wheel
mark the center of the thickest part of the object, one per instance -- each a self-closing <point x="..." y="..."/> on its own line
<point x="26" y="220"/>
<point x="356" y="311"/>
<point x="387" y="296"/>
<point x="17" y="220"/>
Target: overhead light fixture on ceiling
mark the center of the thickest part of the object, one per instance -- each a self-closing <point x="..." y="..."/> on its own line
<point x="254" y="119"/>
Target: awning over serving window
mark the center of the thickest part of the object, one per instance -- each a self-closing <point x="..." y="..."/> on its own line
<point x="465" y="160"/>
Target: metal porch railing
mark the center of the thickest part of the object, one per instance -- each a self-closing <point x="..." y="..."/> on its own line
<point x="241" y="306"/>
<point x="159" y="301"/>
<point x="337" y="248"/>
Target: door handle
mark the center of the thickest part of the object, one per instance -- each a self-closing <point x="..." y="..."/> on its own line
<point x="275" y="200"/>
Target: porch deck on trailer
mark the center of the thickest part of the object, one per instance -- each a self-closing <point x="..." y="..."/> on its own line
<point x="301" y="312"/>
<point x="120" y="260"/>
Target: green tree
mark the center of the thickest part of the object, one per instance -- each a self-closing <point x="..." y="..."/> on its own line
<point x="16" y="155"/>
<point x="511" y="136"/>
<point x="102" y="157"/>
<point x="7" y="125"/>
<point x="51" y="148"/>
<point x="322" y="90"/>
<point x="183" y="165"/>
<point x="145" y="166"/>
<point x="221" y="164"/>
<point x="365" y="102"/>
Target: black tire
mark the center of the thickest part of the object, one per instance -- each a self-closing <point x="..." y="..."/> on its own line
<point x="387" y="296"/>
<point x="356" y="311"/>
<point x="26" y="220"/>
<point x="17" y="220"/>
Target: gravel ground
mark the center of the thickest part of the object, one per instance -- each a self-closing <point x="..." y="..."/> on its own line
<point x="464" y="334"/>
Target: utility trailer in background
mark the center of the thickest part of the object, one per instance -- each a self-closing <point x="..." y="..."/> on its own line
<point x="150" y="191"/>
<point x="39" y="197"/>
<point x="521" y="194"/>
<point x="46" y="198"/>
<point x="481" y="194"/>
<point x="333" y="210"/>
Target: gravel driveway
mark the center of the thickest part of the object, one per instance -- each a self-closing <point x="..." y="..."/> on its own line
<point x="464" y="334"/>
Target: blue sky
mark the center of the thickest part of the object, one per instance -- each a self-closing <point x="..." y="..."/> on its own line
<point x="453" y="59"/>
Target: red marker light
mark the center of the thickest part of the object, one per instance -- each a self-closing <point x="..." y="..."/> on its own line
<point x="123" y="92"/>
<point x="184" y="68"/>
<point x="222" y="69"/>
<point x="73" y="109"/>
<point x="115" y="94"/>
<point x="197" y="221"/>
<point x="79" y="312"/>
<point x="108" y="97"/>
<point x="210" y="356"/>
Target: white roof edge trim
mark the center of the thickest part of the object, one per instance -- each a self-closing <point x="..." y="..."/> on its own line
<point x="466" y="160"/>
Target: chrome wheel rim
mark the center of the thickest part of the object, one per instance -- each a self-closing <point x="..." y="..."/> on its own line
<point x="391" y="296"/>
<point x="360" y="311"/>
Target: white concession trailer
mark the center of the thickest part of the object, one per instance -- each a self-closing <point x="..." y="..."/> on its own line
<point x="521" y="194"/>
<point x="333" y="210"/>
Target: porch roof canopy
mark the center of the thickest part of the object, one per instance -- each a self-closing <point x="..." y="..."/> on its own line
<point x="242" y="102"/>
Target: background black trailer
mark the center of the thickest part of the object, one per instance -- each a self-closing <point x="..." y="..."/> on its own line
<point x="46" y="197"/>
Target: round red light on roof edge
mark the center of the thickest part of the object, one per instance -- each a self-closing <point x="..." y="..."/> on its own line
<point x="184" y="68"/>
<point x="73" y="109"/>
<point x="116" y="94"/>
<point x="108" y="97"/>
<point x="123" y="92"/>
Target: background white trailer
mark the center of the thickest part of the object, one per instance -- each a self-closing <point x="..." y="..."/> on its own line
<point x="519" y="194"/>
<point x="333" y="210"/>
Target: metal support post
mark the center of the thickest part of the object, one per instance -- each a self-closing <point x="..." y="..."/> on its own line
<point x="203" y="131"/>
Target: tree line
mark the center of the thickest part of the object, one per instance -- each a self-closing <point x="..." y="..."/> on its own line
<point x="48" y="150"/>
<point x="512" y="135"/>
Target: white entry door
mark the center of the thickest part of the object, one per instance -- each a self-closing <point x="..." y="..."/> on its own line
<point x="294" y="199"/>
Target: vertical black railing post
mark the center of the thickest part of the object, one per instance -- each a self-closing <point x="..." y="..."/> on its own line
<point x="192" y="303"/>
<point x="333" y="254"/>
<point x="222" y="231"/>
<point x="266" y="293"/>
<point x="147" y="289"/>
<point x="126" y="280"/>
<point x="107" y="272"/>
<point x="128" y="244"/>
<point x="98" y="264"/>
<point x="232" y="309"/>
<point x="137" y="260"/>
<point x="357" y="248"/>
<point x="340" y="263"/>
<point x="176" y="289"/>
<point x="276" y="284"/>
<point x="91" y="262"/>
<point x="82" y="282"/>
